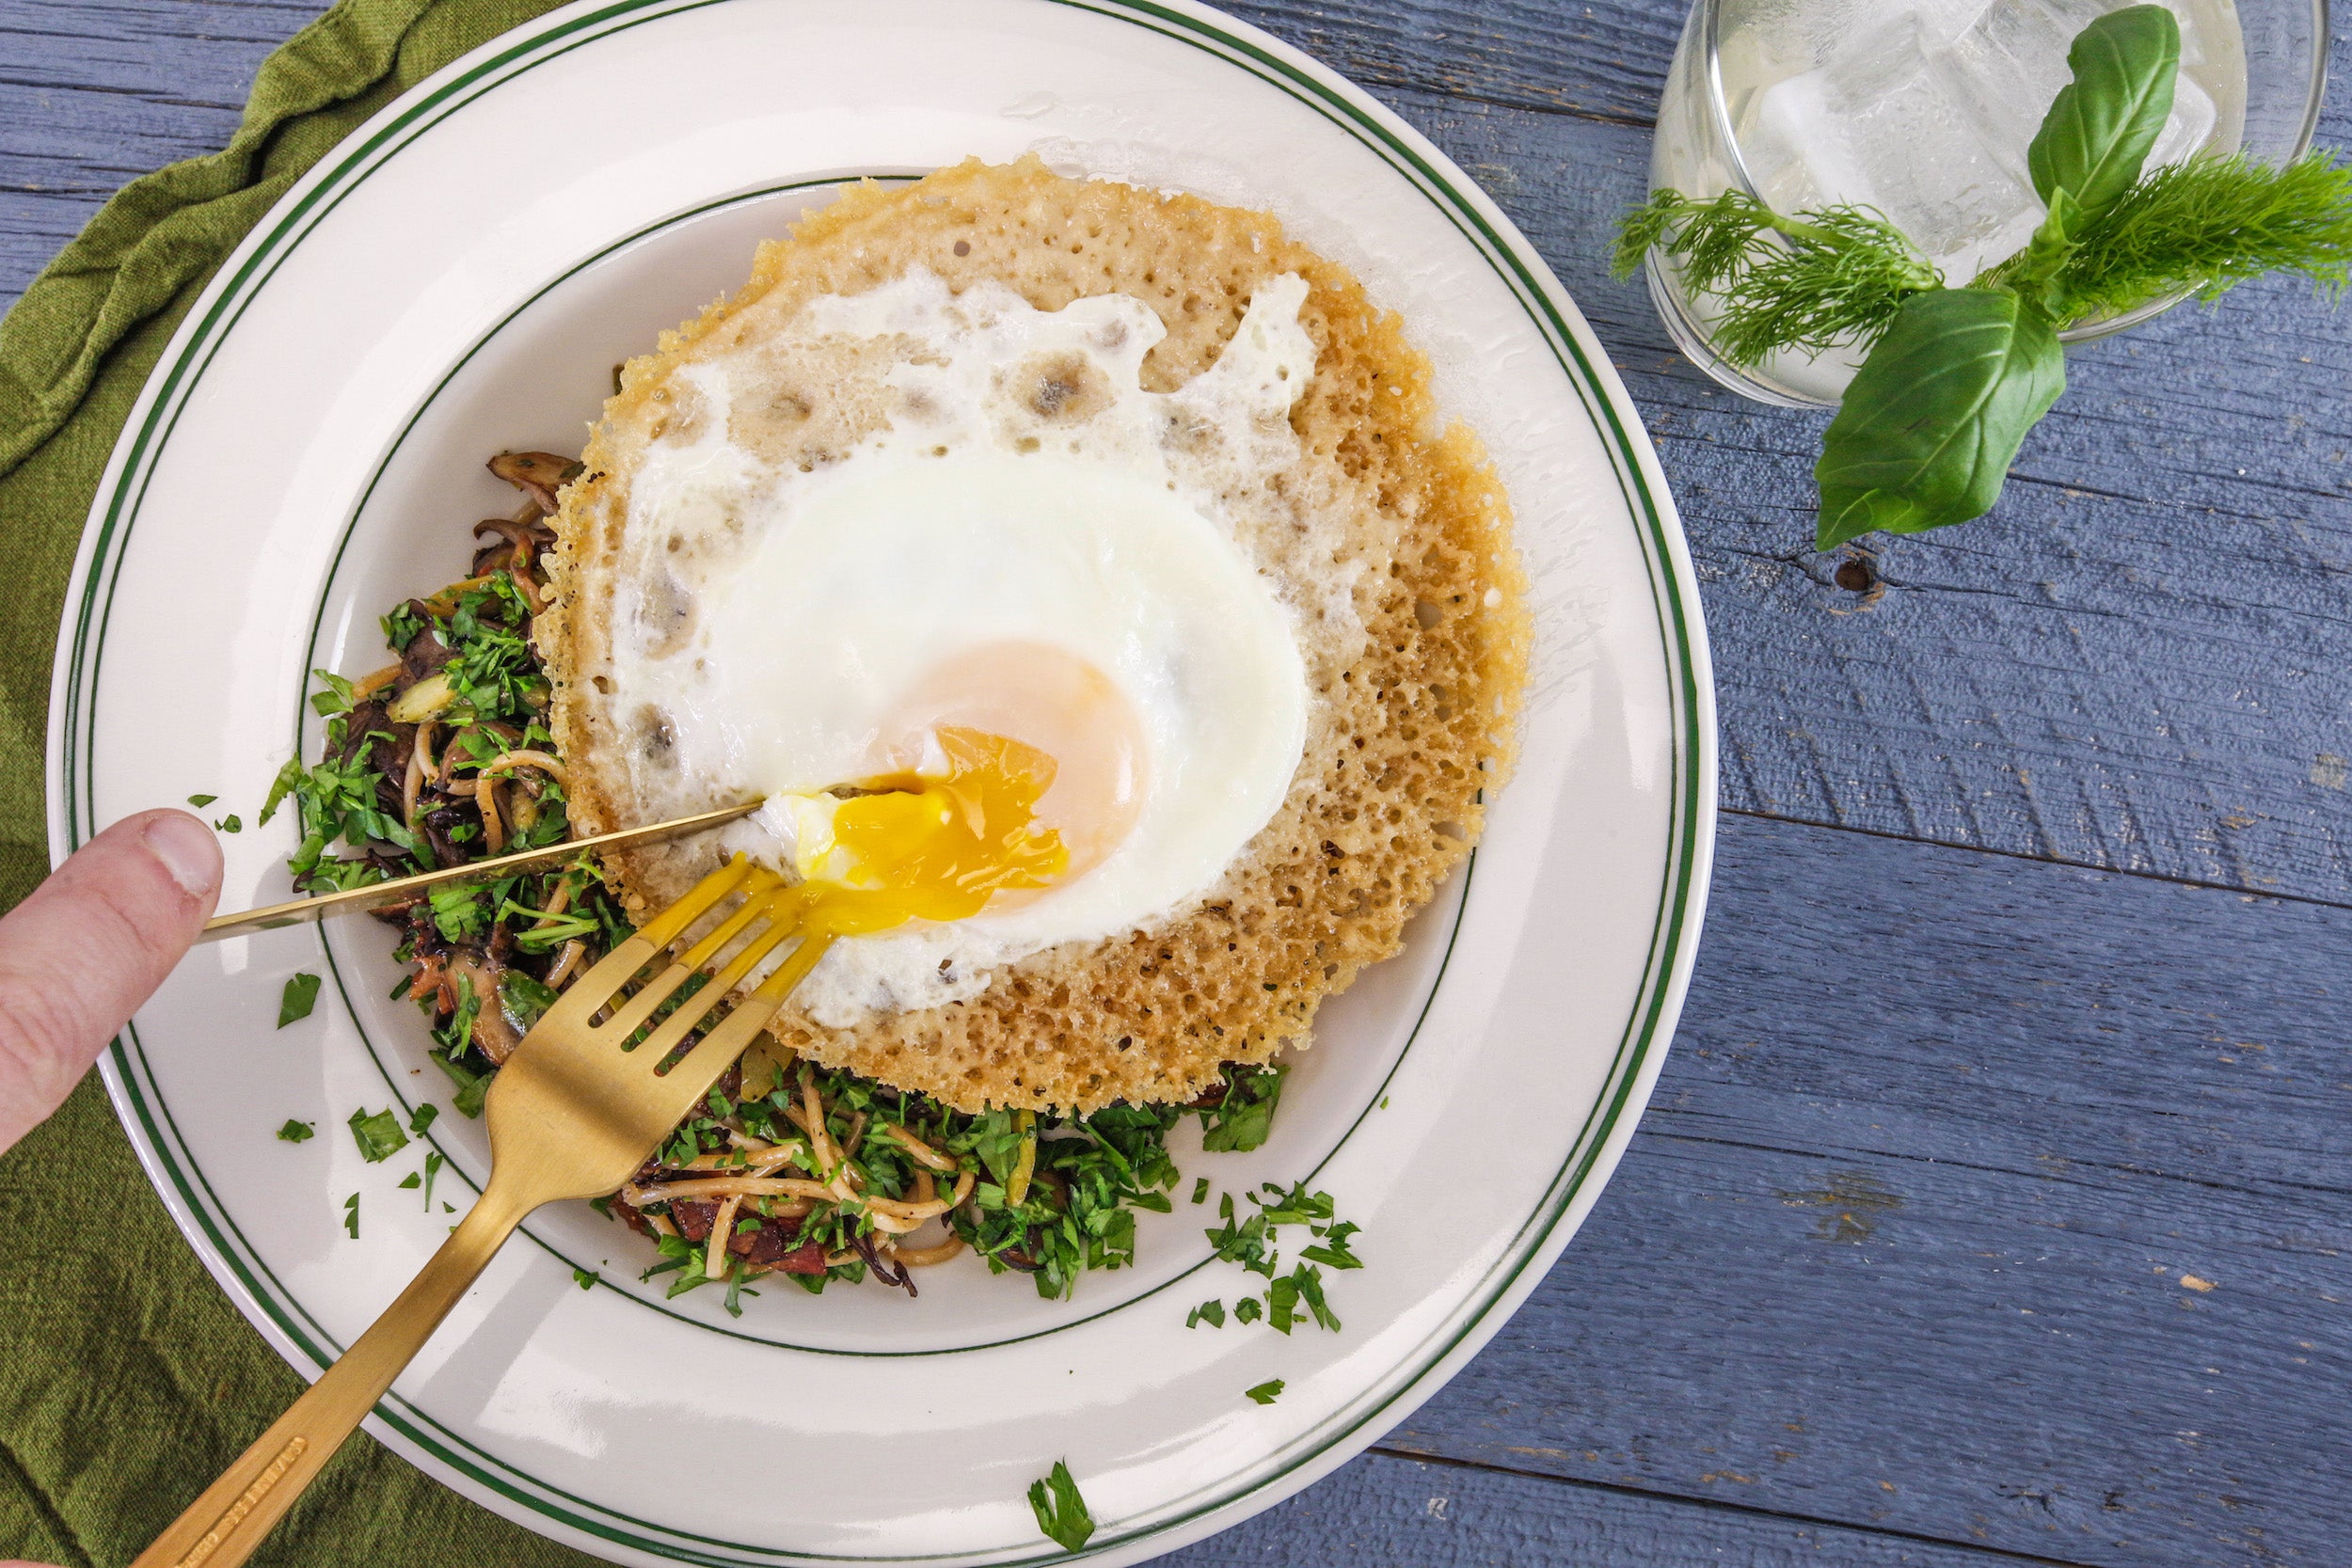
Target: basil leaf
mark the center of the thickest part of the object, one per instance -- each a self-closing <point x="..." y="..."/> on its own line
<point x="2100" y="125"/>
<point x="1936" y="414"/>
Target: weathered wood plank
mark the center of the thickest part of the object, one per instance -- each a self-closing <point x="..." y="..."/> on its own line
<point x="1603" y="60"/>
<point x="1982" y="1199"/>
<point x="93" y="94"/>
<point x="1383" y="1510"/>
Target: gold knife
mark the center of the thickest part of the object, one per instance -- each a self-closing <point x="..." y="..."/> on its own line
<point x="379" y="895"/>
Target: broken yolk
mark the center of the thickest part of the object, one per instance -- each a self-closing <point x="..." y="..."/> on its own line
<point x="926" y="847"/>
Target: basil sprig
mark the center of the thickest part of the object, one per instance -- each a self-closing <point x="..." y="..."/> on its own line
<point x="1940" y="407"/>
<point x="1955" y="376"/>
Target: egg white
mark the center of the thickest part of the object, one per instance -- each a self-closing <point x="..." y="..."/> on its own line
<point x="775" y="616"/>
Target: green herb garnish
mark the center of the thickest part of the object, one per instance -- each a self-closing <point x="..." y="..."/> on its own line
<point x="1061" y="1513"/>
<point x="296" y="1001"/>
<point x="1265" y="1393"/>
<point x="202" y="800"/>
<point x="379" y="1136"/>
<point x="1255" y="1243"/>
<point x="294" y="1132"/>
<point x="584" y="1278"/>
<point x="1954" y="377"/>
<point x="351" y="1215"/>
<point x="1243" y="1117"/>
<point x="472" y="1085"/>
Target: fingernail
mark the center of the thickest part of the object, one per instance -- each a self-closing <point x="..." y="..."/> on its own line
<point x="187" y="848"/>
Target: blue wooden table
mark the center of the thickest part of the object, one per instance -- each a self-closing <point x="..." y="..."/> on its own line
<point x="1995" y="1205"/>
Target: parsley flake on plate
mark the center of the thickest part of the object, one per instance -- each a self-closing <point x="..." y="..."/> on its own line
<point x="296" y="1001"/>
<point x="1061" y="1513"/>
<point x="379" y="1136"/>
<point x="294" y="1132"/>
<point x="1266" y="1393"/>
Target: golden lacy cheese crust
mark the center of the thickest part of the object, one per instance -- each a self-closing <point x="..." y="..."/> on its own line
<point x="1409" y="725"/>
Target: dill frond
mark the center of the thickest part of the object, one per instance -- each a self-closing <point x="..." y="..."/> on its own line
<point x="2209" y="225"/>
<point x="1834" y="278"/>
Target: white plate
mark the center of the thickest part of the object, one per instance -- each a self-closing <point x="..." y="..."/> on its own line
<point x="460" y="277"/>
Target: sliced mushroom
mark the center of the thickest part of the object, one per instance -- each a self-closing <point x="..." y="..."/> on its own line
<point x="536" y="474"/>
<point x="493" y="1029"/>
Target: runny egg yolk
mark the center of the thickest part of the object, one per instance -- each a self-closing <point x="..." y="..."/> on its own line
<point x="927" y="847"/>
<point x="1058" y="707"/>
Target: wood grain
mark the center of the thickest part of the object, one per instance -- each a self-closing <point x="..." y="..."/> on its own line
<point x="1604" y="61"/>
<point x="1385" y="1511"/>
<point x="1983" y="1199"/>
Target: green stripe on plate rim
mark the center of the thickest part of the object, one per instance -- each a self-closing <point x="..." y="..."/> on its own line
<point x="1368" y="124"/>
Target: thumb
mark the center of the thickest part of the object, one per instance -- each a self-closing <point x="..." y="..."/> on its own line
<point x="85" y="948"/>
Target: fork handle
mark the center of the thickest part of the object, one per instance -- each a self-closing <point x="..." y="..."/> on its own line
<point x="223" y="1526"/>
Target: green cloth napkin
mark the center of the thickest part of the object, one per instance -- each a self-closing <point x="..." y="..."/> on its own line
<point x="127" y="1381"/>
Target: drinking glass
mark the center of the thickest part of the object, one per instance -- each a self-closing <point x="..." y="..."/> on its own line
<point x="1923" y="109"/>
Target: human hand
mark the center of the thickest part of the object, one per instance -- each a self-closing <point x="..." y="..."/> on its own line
<point x="80" y="954"/>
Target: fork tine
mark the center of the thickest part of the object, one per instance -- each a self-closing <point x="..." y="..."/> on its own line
<point x="691" y="1015"/>
<point x="630" y="1016"/>
<point x="595" y="990"/>
<point x="700" y="899"/>
<point x="710" y="1057"/>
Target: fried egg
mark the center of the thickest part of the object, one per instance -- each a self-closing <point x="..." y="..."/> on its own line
<point x="1028" y="544"/>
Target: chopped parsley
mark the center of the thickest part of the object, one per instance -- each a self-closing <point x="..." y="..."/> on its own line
<point x="472" y="1085"/>
<point x="300" y="995"/>
<point x="294" y="1132"/>
<point x="351" y="1215"/>
<point x="1290" y="1297"/>
<point x="1210" y="1312"/>
<point x="524" y="999"/>
<point x="433" y="1163"/>
<point x="1243" y="1118"/>
<point x="422" y="1118"/>
<point x="379" y="1136"/>
<point x="229" y="824"/>
<point x="1061" y="1513"/>
<point x="202" y="800"/>
<point x="1266" y="1393"/>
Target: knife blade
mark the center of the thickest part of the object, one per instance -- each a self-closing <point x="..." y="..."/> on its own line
<point x="381" y="895"/>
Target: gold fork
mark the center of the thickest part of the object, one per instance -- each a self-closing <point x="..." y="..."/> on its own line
<point x="573" y="1114"/>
